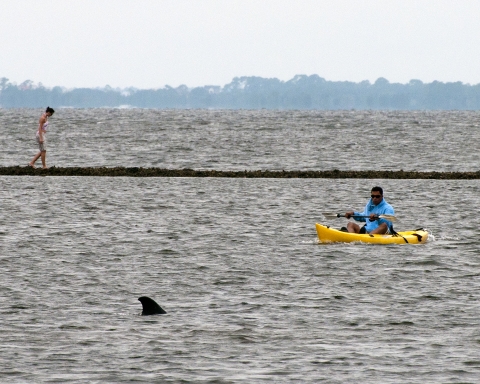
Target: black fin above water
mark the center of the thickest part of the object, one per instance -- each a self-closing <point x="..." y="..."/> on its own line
<point x="150" y="307"/>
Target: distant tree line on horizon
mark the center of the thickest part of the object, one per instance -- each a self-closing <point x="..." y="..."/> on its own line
<point x="301" y="92"/>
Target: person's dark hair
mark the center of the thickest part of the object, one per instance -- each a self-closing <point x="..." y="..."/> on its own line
<point x="378" y="189"/>
<point x="50" y="110"/>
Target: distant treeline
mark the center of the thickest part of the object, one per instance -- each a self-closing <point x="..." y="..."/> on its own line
<point x="301" y="92"/>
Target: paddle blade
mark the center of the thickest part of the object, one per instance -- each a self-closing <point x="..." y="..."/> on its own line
<point x="330" y="215"/>
<point x="388" y="217"/>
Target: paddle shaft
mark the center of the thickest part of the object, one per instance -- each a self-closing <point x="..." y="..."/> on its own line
<point x="377" y="216"/>
<point x="386" y="217"/>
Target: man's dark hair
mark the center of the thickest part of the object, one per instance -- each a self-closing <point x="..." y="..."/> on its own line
<point x="378" y="189"/>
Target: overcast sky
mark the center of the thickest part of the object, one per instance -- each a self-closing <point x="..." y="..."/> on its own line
<point x="153" y="43"/>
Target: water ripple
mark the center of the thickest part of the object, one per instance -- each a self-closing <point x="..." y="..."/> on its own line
<point x="250" y="295"/>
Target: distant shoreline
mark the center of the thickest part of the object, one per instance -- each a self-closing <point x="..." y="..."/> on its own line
<point x="266" y="174"/>
<point x="302" y="92"/>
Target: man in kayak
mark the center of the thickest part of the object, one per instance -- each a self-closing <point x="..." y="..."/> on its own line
<point x="375" y="207"/>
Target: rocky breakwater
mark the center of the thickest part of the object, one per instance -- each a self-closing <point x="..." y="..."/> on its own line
<point x="160" y="172"/>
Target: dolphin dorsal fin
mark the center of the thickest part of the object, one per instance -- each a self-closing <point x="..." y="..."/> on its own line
<point x="150" y="307"/>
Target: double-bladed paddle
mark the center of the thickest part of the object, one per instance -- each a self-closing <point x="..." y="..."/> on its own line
<point x="330" y="215"/>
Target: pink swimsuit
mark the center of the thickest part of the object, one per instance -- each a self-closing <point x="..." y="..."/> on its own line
<point x="44" y="129"/>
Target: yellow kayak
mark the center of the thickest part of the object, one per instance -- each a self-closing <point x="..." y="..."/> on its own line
<point x="331" y="235"/>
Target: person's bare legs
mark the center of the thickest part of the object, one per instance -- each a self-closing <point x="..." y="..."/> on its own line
<point x="352" y="227"/>
<point x="381" y="229"/>
<point x="44" y="159"/>
<point x="37" y="156"/>
<point x="355" y="228"/>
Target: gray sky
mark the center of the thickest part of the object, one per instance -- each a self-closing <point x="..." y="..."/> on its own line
<point x="152" y="43"/>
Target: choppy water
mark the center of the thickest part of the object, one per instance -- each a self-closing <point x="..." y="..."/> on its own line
<point x="239" y="140"/>
<point x="250" y="294"/>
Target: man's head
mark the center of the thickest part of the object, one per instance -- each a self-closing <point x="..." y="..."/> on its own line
<point x="377" y="195"/>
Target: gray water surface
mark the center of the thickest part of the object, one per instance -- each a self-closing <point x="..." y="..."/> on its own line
<point x="250" y="295"/>
<point x="248" y="139"/>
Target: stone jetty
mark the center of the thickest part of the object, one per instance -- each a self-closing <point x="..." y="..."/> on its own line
<point x="160" y="172"/>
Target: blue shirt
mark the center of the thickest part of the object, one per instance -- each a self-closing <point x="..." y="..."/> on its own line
<point x="381" y="209"/>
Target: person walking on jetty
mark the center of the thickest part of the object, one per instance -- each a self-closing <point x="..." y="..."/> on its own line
<point x="375" y="207"/>
<point x="41" y="138"/>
